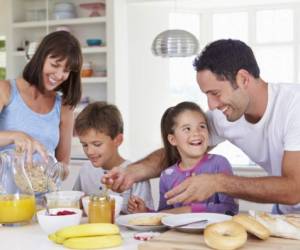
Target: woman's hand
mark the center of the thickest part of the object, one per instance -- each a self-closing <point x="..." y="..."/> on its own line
<point x="136" y="205"/>
<point x="29" y="145"/>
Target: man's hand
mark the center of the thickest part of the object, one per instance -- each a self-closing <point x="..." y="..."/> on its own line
<point x="136" y="205"/>
<point x="118" y="179"/>
<point x="195" y="188"/>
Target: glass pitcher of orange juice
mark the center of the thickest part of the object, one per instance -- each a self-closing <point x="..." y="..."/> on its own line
<point x="17" y="202"/>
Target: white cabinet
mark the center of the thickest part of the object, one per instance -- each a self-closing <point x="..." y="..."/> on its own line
<point x="31" y="20"/>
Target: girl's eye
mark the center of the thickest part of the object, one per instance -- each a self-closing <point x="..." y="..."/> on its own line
<point x="203" y="126"/>
<point x="186" y="129"/>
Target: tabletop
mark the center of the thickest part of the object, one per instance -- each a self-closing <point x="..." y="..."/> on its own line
<point x="29" y="237"/>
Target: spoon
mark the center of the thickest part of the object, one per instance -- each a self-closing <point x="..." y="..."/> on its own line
<point x="46" y="206"/>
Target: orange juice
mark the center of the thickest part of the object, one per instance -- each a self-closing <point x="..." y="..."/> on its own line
<point x="16" y="209"/>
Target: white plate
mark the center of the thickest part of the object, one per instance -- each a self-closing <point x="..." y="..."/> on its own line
<point x="123" y="220"/>
<point x="177" y="219"/>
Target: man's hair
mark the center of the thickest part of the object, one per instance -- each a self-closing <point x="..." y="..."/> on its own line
<point x="100" y="116"/>
<point x="225" y="58"/>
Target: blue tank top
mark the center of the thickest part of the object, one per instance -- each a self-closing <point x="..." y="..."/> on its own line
<point x="17" y="116"/>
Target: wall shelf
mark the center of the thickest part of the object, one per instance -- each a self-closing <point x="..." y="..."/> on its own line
<point x="73" y="21"/>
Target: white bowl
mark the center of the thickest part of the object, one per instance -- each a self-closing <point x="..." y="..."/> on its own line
<point x="64" y="199"/>
<point x="52" y="223"/>
<point x="118" y="204"/>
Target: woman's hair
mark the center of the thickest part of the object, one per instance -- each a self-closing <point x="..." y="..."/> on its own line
<point x="225" y="58"/>
<point x="167" y="125"/>
<point x="102" y="117"/>
<point x="61" y="45"/>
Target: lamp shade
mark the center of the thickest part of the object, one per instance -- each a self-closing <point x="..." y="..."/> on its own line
<point x="175" y="43"/>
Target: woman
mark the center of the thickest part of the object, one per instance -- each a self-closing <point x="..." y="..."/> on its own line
<point x="36" y="111"/>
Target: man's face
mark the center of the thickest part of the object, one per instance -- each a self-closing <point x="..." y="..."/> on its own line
<point x="233" y="102"/>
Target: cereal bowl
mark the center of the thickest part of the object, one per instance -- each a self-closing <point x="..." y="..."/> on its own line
<point x="58" y="218"/>
<point x="64" y="199"/>
<point x="118" y="204"/>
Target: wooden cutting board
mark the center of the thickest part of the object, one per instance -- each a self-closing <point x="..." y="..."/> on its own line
<point x="174" y="240"/>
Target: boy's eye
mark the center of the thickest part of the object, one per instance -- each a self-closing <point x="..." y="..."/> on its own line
<point x="97" y="144"/>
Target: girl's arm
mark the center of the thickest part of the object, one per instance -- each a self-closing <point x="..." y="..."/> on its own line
<point x="63" y="150"/>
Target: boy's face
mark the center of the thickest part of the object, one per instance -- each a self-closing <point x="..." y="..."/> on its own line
<point x="100" y="148"/>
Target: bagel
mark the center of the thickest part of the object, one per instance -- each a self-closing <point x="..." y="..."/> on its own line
<point x="226" y="235"/>
<point x="252" y="226"/>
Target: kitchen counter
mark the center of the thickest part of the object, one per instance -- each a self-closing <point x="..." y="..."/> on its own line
<point x="30" y="237"/>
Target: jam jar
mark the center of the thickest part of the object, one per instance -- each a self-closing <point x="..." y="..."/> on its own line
<point x="100" y="209"/>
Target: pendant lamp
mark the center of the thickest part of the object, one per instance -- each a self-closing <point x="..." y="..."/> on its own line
<point x="175" y="43"/>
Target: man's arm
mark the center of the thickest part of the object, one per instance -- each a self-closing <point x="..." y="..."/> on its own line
<point x="151" y="166"/>
<point x="283" y="189"/>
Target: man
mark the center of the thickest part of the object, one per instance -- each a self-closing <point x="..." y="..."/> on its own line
<point x="260" y="118"/>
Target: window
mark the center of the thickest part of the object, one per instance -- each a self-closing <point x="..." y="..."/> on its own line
<point x="269" y="30"/>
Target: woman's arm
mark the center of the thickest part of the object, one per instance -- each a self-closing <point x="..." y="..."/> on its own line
<point x="63" y="150"/>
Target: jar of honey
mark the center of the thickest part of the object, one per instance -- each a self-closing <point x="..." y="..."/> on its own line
<point x="100" y="209"/>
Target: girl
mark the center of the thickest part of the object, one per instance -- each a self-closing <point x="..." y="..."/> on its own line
<point x="185" y="136"/>
<point x="36" y="110"/>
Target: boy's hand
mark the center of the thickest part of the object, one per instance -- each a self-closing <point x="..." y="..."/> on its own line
<point x="136" y="205"/>
<point x="118" y="179"/>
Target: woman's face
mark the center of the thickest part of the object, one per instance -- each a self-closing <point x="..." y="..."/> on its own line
<point x="55" y="72"/>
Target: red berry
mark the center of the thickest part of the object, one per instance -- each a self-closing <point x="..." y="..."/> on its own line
<point x="65" y="212"/>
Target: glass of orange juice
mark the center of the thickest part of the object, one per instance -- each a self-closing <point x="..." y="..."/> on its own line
<point x="16" y="209"/>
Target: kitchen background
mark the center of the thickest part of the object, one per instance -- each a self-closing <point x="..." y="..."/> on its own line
<point x="125" y="72"/>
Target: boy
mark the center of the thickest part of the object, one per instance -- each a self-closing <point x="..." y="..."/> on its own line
<point x="99" y="127"/>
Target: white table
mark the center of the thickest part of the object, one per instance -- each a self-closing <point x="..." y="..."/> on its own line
<point x="31" y="237"/>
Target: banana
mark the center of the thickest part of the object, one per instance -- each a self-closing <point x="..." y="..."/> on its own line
<point x="94" y="242"/>
<point x="55" y="239"/>
<point x="82" y="230"/>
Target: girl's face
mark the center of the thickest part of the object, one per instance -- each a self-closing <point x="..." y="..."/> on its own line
<point x="55" y="73"/>
<point x="190" y="135"/>
<point x="100" y="148"/>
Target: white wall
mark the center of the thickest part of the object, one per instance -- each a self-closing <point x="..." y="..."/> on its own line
<point x="148" y="78"/>
<point x="4" y="17"/>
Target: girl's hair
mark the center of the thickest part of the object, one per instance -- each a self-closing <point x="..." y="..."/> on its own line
<point x="167" y="125"/>
<point x="61" y="45"/>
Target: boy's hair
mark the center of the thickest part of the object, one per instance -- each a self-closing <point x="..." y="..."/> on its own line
<point x="167" y="125"/>
<point x="225" y="58"/>
<point x="100" y="116"/>
<point x="61" y="45"/>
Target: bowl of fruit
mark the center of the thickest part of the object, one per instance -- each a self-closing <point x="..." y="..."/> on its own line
<point x="57" y="218"/>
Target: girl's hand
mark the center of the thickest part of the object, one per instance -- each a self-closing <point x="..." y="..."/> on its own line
<point x="136" y="205"/>
<point x="26" y="143"/>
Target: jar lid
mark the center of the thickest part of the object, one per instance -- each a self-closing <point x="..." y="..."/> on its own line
<point x="98" y="198"/>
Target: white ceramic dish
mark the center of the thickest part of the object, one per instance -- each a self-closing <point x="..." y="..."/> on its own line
<point x="177" y="219"/>
<point x="52" y="223"/>
<point x="118" y="204"/>
<point x="123" y="220"/>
